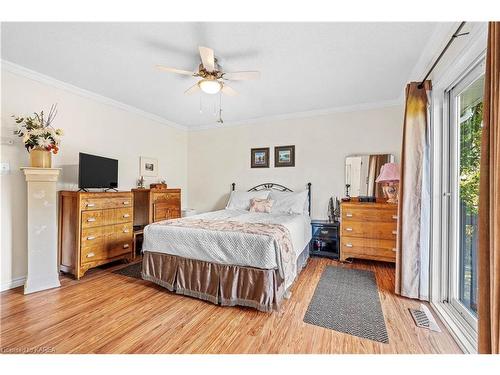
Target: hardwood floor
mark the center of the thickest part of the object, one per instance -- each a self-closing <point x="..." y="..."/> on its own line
<point x="109" y="313"/>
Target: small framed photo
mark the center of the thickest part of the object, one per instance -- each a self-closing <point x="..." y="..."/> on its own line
<point x="149" y="167"/>
<point x="284" y="156"/>
<point x="259" y="157"/>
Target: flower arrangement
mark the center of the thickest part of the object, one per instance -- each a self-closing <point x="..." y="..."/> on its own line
<point x="37" y="131"/>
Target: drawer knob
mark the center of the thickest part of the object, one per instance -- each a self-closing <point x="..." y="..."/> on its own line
<point x="126" y="202"/>
<point x="394" y="232"/>
<point x="90" y="238"/>
<point x="91" y="219"/>
<point x="348" y="244"/>
<point x="126" y="215"/>
<point x="348" y="214"/>
<point x="324" y="232"/>
<point x="348" y="229"/>
<point x="395" y="217"/>
<point x="90" y="204"/>
<point x="90" y="255"/>
<point x="394" y="249"/>
<point x="126" y="246"/>
<point x="125" y="231"/>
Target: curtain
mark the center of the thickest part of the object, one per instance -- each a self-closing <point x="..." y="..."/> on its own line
<point x="489" y="203"/>
<point x="412" y="258"/>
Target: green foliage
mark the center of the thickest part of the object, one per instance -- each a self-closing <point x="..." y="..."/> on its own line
<point x="470" y="155"/>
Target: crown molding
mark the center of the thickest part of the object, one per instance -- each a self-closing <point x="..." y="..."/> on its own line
<point x="304" y="114"/>
<point x="39" y="77"/>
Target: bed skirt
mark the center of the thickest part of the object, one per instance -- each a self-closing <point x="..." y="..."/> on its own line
<point x="227" y="285"/>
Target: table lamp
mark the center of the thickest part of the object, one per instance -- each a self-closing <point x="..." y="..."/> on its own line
<point x="389" y="176"/>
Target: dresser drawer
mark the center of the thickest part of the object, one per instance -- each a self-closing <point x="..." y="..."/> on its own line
<point x="173" y="198"/>
<point x="123" y="232"/>
<point x="93" y="218"/>
<point x="91" y="204"/>
<point x="118" y="248"/>
<point x="92" y="236"/>
<point x="165" y="211"/>
<point x="123" y="215"/>
<point x="93" y="253"/>
<point x="382" y="230"/>
<point x="376" y="249"/>
<point x="368" y="214"/>
<point x="121" y="202"/>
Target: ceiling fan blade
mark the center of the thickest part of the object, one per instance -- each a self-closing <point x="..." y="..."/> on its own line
<point x="193" y="89"/>
<point x="174" y="70"/>
<point x="207" y="58"/>
<point x="242" y="76"/>
<point x="229" y="91"/>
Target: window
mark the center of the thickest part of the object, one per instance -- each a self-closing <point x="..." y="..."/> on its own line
<point x="462" y="139"/>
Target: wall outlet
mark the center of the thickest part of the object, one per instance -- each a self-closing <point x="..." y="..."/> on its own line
<point x="4" y="167"/>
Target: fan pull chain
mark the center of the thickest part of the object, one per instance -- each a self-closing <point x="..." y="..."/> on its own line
<point x="201" y="106"/>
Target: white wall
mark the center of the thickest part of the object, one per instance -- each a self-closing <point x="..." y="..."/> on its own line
<point x="90" y="126"/>
<point x="218" y="157"/>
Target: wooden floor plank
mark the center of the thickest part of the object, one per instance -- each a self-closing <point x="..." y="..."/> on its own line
<point x="109" y="313"/>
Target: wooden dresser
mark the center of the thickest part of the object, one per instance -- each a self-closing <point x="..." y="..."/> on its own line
<point x="94" y="229"/>
<point x="151" y="205"/>
<point x="368" y="231"/>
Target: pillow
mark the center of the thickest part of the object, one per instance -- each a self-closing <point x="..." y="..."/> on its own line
<point x="240" y="200"/>
<point x="261" y="205"/>
<point x="290" y="202"/>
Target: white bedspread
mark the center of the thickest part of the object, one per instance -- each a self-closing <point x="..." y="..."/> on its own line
<point x="224" y="247"/>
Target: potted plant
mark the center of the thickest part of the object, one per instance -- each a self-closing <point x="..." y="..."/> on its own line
<point x="39" y="137"/>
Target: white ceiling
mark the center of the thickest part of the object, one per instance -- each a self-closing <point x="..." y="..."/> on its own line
<point x="304" y="66"/>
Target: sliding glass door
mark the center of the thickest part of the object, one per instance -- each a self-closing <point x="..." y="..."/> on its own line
<point x="465" y="127"/>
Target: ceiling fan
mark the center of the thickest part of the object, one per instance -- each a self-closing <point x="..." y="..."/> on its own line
<point x="212" y="76"/>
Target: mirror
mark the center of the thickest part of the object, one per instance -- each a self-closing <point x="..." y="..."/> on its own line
<point x="361" y="172"/>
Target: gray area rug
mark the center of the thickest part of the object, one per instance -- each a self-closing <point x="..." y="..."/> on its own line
<point x="346" y="300"/>
<point x="132" y="270"/>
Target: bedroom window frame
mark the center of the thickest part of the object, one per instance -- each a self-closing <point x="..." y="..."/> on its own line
<point x="464" y="320"/>
<point x="444" y="286"/>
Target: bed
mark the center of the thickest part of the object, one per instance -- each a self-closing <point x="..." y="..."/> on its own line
<point x="233" y="256"/>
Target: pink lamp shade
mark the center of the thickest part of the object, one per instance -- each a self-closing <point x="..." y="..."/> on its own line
<point x="388" y="173"/>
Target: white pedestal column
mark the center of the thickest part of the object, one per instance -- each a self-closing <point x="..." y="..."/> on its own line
<point x="42" y="229"/>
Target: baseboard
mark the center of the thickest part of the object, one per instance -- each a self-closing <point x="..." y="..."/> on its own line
<point x="13" y="283"/>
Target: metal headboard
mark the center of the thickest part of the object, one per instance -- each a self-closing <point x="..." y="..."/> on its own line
<point x="273" y="186"/>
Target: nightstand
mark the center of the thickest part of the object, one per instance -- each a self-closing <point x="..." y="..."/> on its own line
<point x="325" y="239"/>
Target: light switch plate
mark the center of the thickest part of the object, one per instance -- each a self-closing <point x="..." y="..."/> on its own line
<point x="4" y="167"/>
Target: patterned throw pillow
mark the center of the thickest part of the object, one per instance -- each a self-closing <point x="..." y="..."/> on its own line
<point x="261" y="205"/>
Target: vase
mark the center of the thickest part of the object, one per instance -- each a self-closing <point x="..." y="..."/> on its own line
<point x="40" y="158"/>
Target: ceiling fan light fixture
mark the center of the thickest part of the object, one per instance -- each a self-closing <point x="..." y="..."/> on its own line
<point x="210" y="86"/>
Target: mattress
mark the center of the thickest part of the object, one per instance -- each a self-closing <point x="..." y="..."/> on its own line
<point x="232" y="248"/>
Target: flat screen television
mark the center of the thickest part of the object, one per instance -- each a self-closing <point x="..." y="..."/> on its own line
<point x="97" y="172"/>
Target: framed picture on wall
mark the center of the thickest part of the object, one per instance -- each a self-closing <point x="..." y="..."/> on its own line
<point x="284" y="156"/>
<point x="259" y="157"/>
<point x="149" y="167"/>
